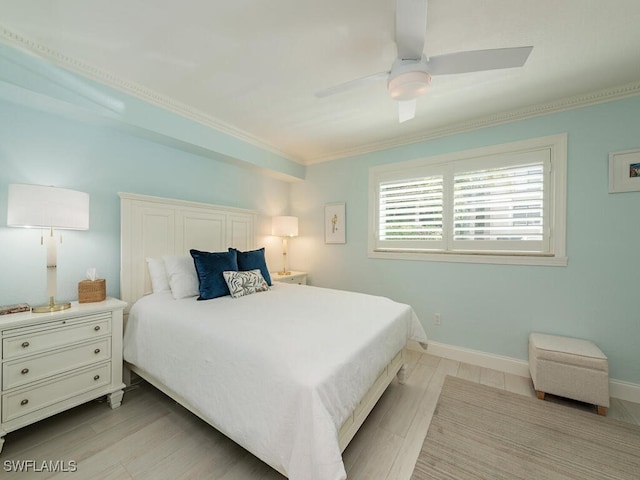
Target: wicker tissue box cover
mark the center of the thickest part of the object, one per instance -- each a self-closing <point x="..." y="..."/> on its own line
<point x="92" y="290"/>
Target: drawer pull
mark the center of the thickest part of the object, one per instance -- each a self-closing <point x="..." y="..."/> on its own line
<point x="97" y="377"/>
<point x="96" y="351"/>
<point x="96" y="328"/>
<point x="24" y="402"/>
<point x="25" y="344"/>
<point x="24" y="371"/>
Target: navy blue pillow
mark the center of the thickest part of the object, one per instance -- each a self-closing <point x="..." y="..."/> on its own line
<point x="252" y="260"/>
<point x="210" y="266"/>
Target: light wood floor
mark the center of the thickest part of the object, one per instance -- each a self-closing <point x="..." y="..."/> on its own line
<point x="151" y="437"/>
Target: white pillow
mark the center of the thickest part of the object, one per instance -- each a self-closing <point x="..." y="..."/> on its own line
<point x="158" y="275"/>
<point x="183" y="278"/>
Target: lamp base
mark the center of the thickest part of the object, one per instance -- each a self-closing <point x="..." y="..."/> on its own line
<point x="51" y="307"/>
<point x="284" y="273"/>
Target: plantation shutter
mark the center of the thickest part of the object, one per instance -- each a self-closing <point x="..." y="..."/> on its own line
<point x="501" y="209"/>
<point x="410" y="213"/>
<point x="499" y="204"/>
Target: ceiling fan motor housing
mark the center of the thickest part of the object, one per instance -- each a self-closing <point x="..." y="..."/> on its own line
<point x="408" y="79"/>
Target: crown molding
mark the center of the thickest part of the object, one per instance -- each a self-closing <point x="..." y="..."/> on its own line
<point x="135" y="90"/>
<point x="560" y="105"/>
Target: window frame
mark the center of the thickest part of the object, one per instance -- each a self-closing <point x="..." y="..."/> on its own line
<point x="484" y="157"/>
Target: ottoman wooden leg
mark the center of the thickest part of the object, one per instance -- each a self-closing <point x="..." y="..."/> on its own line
<point x="602" y="411"/>
<point x="540" y="394"/>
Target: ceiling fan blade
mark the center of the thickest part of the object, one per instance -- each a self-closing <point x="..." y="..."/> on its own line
<point x="411" y="26"/>
<point x="406" y="110"/>
<point x="358" y="82"/>
<point x="478" y="60"/>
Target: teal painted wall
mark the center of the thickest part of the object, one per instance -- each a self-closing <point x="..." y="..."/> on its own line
<point x="50" y="149"/>
<point x="492" y="308"/>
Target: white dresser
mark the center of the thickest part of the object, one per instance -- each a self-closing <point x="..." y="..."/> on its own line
<point x="55" y="361"/>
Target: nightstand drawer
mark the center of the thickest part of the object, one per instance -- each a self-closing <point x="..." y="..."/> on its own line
<point x="30" y="369"/>
<point x="25" y="401"/>
<point x="299" y="278"/>
<point x="43" y="340"/>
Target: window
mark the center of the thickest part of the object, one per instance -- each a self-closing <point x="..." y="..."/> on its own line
<point x="501" y="204"/>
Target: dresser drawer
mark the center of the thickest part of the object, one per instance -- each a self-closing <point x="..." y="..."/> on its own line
<point x="17" y="344"/>
<point x="36" y="367"/>
<point x="27" y="400"/>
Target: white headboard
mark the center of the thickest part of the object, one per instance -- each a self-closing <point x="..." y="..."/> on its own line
<point x="154" y="226"/>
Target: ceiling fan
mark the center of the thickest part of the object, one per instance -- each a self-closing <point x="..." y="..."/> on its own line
<point x="410" y="73"/>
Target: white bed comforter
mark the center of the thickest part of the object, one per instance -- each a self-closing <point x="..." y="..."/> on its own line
<point x="279" y="371"/>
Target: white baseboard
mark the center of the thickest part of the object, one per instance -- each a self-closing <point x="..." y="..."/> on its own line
<point x="617" y="388"/>
<point x="481" y="359"/>
<point x="624" y="390"/>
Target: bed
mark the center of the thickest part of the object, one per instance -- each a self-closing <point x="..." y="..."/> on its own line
<point x="290" y="373"/>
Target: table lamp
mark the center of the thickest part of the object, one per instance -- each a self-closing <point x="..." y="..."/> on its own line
<point x="285" y="227"/>
<point x="52" y="208"/>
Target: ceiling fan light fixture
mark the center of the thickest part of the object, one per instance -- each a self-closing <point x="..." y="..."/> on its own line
<point x="409" y="85"/>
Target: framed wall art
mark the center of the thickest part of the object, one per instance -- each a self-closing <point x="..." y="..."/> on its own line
<point x="335" y="225"/>
<point x="624" y="171"/>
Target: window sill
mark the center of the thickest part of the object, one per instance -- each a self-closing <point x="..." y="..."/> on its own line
<point x="502" y="259"/>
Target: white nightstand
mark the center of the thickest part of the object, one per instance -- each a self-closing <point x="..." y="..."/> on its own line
<point x="54" y="361"/>
<point x="294" y="277"/>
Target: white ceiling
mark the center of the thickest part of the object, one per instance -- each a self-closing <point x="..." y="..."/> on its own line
<point x="253" y="66"/>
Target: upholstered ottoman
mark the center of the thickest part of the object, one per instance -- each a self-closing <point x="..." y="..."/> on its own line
<point x="569" y="367"/>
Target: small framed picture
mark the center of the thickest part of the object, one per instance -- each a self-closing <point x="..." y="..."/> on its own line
<point x="334" y="223"/>
<point x="624" y="171"/>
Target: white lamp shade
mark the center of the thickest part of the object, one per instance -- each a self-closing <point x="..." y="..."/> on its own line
<point x="42" y="206"/>
<point x="284" y="226"/>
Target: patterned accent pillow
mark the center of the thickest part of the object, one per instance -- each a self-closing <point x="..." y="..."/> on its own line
<point x="245" y="283"/>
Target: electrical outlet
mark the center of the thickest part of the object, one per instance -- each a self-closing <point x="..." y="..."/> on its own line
<point x="436" y="319"/>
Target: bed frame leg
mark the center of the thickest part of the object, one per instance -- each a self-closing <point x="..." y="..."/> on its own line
<point x="402" y="374"/>
<point x="126" y="375"/>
